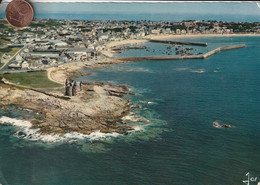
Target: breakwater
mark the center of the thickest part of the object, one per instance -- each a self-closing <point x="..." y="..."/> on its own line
<point x="202" y="56"/>
<point x="212" y="52"/>
<point x="178" y="42"/>
<point x="127" y="47"/>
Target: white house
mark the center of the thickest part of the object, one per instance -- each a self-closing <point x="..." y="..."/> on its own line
<point x="25" y="65"/>
<point x="58" y="43"/>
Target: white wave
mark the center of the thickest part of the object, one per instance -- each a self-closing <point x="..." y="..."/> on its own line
<point x="15" y="122"/>
<point x="216" y="124"/>
<point x="99" y="135"/>
<point x="132" y="118"/>
<point x="216" y="70"/>
<point x="147" y="102"/>
<point x="72" y="137"/>
<point x="26" y="132"/>
<point x="35" y="135"/>
<point x="182" y="69"/>
<point x="137" y="128"/>
<point x="198" y="71"/>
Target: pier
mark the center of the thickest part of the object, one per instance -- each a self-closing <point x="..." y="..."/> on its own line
<point x="178" y="42"/>
<point x="202" y="56"/>
<point x="212" y="52"/>
<point x="127" y="47"/>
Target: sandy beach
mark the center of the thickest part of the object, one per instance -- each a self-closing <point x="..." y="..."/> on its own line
<point x="61" y="73"/>
<point x="172" y="36"/>
<point x="127" y="41"/>
<point x="169" y="36"/>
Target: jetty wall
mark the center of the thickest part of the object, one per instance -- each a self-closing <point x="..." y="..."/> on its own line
<point x="160" y="58"/>
<point x="178" y="42"/>
<point x="127" y="47"/>
<point x="204" y="56"/>
<point x="210" y="53"/>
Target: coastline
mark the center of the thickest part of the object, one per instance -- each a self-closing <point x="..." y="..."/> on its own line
<point x="99" y="107"/>
<point x="161" y="36"/>
<point x="109" y="45"/>
<point x="171" y="36"/>
<point x="98" y="100"/>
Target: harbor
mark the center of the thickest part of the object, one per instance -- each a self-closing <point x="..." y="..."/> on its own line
<point x="201" y="56"/>
<point x="127" y="47"/>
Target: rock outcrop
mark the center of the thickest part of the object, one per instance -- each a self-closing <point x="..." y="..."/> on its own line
<point x="98" y="107"/>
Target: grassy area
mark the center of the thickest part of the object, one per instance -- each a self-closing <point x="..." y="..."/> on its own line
<point x="3" y="24"/>
<point x="50" y="23"/>
<point x="31" y="79"/>
<point x="1" y="64"/>
<point x="4" y="39"/>
<point x="9" y="51"/>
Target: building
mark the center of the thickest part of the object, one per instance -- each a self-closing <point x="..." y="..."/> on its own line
<point x="72" y="87"/>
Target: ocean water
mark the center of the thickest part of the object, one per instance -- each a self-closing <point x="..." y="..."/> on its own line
<point x="178" y="146"/>
<point x="148" y="16"/>
<point x="145" y="11"/>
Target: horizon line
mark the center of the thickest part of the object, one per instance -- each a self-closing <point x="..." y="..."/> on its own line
<point x="130" y="1"/>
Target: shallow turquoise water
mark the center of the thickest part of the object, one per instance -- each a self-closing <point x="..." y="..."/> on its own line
<point x="179" y="146"/>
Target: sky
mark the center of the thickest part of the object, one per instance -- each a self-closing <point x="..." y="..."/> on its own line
<point x="51" y="1"/>
<point x="227" y="9"/>
<point x="204" y="8"/>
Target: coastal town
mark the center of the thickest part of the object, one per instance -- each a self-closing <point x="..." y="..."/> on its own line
<point x="39" y="62"/>
<point x="129" y="92"/>
<point x="50" y="43"/>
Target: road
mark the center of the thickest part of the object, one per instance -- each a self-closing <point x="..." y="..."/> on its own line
<point x="12" y="59"/>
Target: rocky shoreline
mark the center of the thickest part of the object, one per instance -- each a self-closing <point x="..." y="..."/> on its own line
<point x="99" y="107"/>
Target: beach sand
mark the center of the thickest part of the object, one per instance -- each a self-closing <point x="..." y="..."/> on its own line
<point x="171" y="36"/>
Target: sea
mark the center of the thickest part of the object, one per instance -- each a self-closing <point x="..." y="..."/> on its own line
<point x="174" y="142"/>
<point x="241" y="12"/>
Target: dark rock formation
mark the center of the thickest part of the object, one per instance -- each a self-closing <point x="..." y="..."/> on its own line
<point x="72" y="87"/>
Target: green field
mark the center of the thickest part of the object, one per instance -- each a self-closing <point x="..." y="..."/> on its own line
<point x="31" y="79"/>
<point x="50" y="23"/>
<point x="1" y="64"/>
<point x="9" y="51"/>
<point x="3" y="24"/>
<point x="4" y="39"/>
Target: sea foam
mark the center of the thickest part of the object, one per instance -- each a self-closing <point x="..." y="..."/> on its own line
<point x="15" y="122"/>
<point x="132" y="118"/>
<point x="26" y="132"/>
<point x="198" y="71"/>
<point x="137" y="128"/>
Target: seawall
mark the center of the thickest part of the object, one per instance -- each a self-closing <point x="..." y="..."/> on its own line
<point x="210" y="53"/>
<point x="180" y="43"/>
<point x="127" y="47"/>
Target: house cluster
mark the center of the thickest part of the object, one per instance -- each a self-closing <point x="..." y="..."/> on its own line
<point x="49" y="43"/>
<point x="19" y="63"/>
